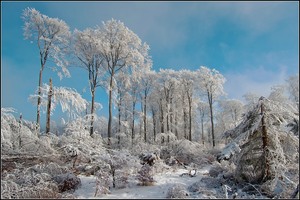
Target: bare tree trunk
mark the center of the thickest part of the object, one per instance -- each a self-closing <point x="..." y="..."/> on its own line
<point x="92" y="112"/>
<point x="265" y="142"/>
<point x="190" y="118"/>
<point x="119" y="117"/>
<point x="145" y="118"/>
<point x="176" y="124"/>
<point x="110" y="109"/>
<point x="168" y="112"/>
<point x="133" y="113"/>
<point x="20" y="126"/>
<point x="50" y="93"/>
<point x="39" y="100"/>
<point x="202" y="130"/>
<point x="119" y="110"/>
<point x="154" y="124"/>
<point x="211" y="118"/>
<point x="171" y="114"/>
<point x="162" y="130"/>
<point x="141" y="120"/>
<point x="184" y="124"/>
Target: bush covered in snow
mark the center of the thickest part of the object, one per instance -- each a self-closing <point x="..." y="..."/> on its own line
<point x="145" y="175"/>
<point x="177" y="191"/>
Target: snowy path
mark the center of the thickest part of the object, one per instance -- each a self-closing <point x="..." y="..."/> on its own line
<point x="163" y="182"/>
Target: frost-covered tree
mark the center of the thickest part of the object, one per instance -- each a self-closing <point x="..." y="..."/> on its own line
<point x="232" y="110"/>
<point x="203" y="110"/>
<point x="69" y="99"/>
<point x="87" y="51"/>
<point x="264" y="149"/>
<point x="187" y="79"/>
<point x="167" y="81"/>
<point x="121" y="48"/>
<point x="52" y="37"/>
<point x="211" y="84"/>
<point x="278" y="93"/>
<point x="146" y="85"/>
<point x="293" y="88"/>
<point x="251" y="99"/>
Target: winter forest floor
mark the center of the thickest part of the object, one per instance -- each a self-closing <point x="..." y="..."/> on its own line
<point x="163" y="181"/>
<point x="76" y="165"/>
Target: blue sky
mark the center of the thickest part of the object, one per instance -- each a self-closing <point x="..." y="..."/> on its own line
<point x="255" y="45"/>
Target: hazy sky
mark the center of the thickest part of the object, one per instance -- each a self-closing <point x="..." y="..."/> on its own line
<point x="255" y="45"/>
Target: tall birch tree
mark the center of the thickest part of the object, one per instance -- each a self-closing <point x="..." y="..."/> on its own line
<point x="121" y="48"/>
<point x="211" y="84"/>
<point x="52" y="36"/>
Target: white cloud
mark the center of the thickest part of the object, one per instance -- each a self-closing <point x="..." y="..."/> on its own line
<point x="258" y="81"/>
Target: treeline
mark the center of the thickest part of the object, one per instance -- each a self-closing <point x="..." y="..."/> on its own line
<point x="185" y="103"/>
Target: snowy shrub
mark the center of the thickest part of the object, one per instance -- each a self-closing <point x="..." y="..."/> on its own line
<point x="67" y="181"/>
<point x="177" y="191"/>
<point x="102" y="182"/>
<point x="142" y="147"/>
<point x="186" y="152"/>
<point x="17" y="137"/>
<point x="214" y="171"/>
<point x="120" y="141"/>
<point x="120" y="164"/>
<point x="121" y="179"/>
<point x="29" y="183"/>
<point x="145" y="175"/>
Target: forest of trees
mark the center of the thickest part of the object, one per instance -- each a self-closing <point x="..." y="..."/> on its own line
<point x="179" y="117"/>
<point x="189" y="104"/>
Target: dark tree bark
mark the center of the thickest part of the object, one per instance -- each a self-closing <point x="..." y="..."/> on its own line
<point x="39" y="97"/>
<point x="202" y="130"/>
<point x="209" y="95"/>
<point x="190" y="117"/>
<point x="154" y="124"/>
<point x="92" y="112"/>
<point x="110" y="108"/>
<point x="162" y="129"/>
<point x="50" y="93"/>
<point x="133" y="114"/>
<point x="145" y="117"/>
<point x="265" y="143"/>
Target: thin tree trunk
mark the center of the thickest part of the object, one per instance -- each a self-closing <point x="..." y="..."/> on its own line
<point x="39" y="100"/>
<point x="141" y="120"/>
<point x="176" y="124"/>
<point x="154" y="124"/>
<point x="184" y="124"/>
<point x="145" y="118"/>
<point x="171" y="115"/>
<point x="119" y="110"/>
<point x="133" y="113"/>
<point x="265" y="142"/>
<point x="20" y="126"/>
<point x="202" y="129"/>
<point x="168" y="112"/>
<point x="211" y="118"/>
<point x="119" y="117"/>
<point x="50" y="93"/>
<point x="190" y="118"/>
<point x="110" y="109"/>
<point x="162" y="130"/>
<point x="92" y="112"/>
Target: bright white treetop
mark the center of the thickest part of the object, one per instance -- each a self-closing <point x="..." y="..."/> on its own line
<point x="52" y="36"/>
<point x="121" y="47"/>
<point x="69" y="99"/>
<point x="210" y="80"/>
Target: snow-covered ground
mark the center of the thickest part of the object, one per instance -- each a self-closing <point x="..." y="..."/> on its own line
<point x="159" y="190"/>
